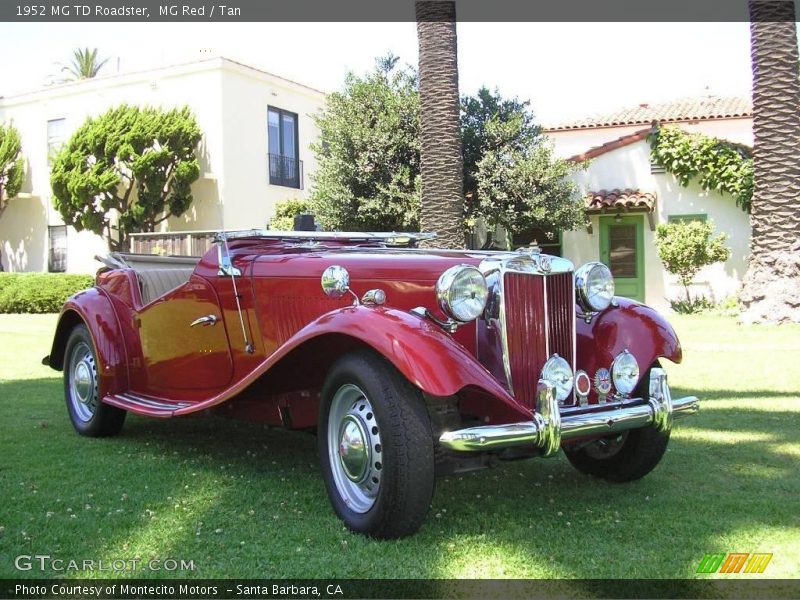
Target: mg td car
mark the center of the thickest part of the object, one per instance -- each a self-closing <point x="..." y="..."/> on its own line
<point x="408" y="363"/>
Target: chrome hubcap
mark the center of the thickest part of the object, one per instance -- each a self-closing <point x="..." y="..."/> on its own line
<point x="354" y="448"/>
<point x="83" y="382"/>
<point x="354" y="453"/>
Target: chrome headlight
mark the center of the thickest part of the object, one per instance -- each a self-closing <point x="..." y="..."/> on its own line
<point x="462" y="292"/>
<point x="625" y="372"/>
<point x="594" y="286"/>
<point x="558" y="372"/>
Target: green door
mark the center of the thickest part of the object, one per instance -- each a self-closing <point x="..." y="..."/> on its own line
<point x="622" y="249"/>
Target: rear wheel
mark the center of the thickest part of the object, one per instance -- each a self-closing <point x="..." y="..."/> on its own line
<point x="376" y="447"/>
<point x="88" y="414"/>
<point x="623" y="457"/>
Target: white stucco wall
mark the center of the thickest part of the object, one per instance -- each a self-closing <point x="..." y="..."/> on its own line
<point x="230" y="103"/>
<point x="247" y="95"/>
<point x="629" y="167"/>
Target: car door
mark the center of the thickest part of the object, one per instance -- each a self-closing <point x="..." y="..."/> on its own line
<point x="185" y="342"/>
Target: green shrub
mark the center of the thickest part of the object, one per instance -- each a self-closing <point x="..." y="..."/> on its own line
<point x="39" y="292"/>
<point x="285" y="212"/>
<point x="692" y="306"/>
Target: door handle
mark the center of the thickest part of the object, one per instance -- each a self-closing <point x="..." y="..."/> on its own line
<point x="205" y="321"/>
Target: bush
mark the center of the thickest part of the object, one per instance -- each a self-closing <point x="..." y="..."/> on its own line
<point x="285" y="212"/>
<point x="39" y="292"/>
<point x="692" y="306"/>
<point x="685" y="247"/>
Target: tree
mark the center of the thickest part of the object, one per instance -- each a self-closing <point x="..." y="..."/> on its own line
<point x="771" y="286"/>
<point x="12" y="167"/>
<point x="127" y="171"/>
<point x="520" y="184"/>
<point x="441" y="161"/>
<point x="369" y="153"/>
<point x="476" y="113"/>
<point x="685" y="247"/>
<point x="85" y="64"/>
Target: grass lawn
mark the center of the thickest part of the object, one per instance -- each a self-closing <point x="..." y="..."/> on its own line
<point x="240" y="500"/>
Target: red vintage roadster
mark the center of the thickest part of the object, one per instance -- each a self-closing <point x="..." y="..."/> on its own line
<point x="407" y="362"/>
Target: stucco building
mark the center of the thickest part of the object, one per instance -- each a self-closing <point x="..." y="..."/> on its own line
<point x="256" y="127"/>
<point x="627" y="196"/>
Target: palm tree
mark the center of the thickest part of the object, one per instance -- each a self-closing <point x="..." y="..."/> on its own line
<point x="441" y="161"/>
<point x="771" y="285"/>
<point x="85" y="64"/>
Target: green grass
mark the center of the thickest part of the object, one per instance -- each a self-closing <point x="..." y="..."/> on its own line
<point x="241" y="500"/>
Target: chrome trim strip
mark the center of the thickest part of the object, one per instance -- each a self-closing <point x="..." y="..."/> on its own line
<point x="548" y="428"/>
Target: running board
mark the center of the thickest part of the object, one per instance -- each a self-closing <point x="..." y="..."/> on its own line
<point x="144" y="405"/>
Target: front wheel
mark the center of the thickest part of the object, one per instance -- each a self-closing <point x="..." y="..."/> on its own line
<point x="624" y="457"/>
<point x="376" y="447"/>
<point x="88" y="414"/>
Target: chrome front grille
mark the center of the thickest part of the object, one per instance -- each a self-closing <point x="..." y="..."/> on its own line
<point x="540" y="322"/>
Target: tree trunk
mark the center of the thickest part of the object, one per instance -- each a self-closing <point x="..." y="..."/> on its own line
<point x="441" y="161"/>
<point x="771" y="287"/>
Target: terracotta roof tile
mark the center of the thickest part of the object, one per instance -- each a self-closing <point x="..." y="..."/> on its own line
<point x="684" y="109"/>
<point x="619" y="199"/>
<point x="613" y="145"/>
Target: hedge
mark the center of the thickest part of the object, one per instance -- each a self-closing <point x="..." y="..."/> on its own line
<point x="39" y="292"/>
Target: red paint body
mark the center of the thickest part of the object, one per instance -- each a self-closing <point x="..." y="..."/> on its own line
<point x="153" y="363"/>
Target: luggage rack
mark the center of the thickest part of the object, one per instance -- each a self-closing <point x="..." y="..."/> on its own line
<point x="393" y="238"/>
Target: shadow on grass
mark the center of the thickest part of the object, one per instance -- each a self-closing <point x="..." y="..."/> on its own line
<point x="243" y="500"/>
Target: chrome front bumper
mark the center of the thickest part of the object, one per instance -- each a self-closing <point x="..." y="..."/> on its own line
<point x="549" y="428"/>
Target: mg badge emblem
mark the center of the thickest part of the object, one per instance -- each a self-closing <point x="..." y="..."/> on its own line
<point x="602" y="382"/>
<point x="545" y="263"/>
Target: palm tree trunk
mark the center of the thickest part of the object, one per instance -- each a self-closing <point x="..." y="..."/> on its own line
<point x="771" y="287"/>
<point x="441" y="161"/>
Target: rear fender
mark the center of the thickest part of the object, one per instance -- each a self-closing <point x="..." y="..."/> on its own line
<point x="632" y="326"/>
<point x="94" y="309"/>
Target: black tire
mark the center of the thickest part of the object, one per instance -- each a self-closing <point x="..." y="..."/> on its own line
<point x="625" y="457"/>
<point x="398" y="434"/>
<point x="88" y="414"/>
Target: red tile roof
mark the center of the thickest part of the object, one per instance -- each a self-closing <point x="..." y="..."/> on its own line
<point x="684" y="109"/>
<point x="619" y="199"/>
<point x="613" y="145"/>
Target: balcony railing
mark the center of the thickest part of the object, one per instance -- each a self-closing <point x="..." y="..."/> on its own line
<point x="285" y="171"/>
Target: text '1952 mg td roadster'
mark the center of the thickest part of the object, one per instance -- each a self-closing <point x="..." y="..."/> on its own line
<point x="407" y="362"/>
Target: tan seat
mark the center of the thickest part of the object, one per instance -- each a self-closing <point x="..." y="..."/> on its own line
<point x="157" y="282"/>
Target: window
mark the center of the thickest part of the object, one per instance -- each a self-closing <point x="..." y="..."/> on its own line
<point x="57" y="260"/>
<point x="285" y="168"/>
<point x="56" y="136"/>
<point x="549" y="241"/>
<point x="685" y="218"/>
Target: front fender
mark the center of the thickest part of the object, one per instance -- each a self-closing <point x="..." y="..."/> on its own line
<point x="428" y="357"/>
<point x="632" y="326"/>
<point x="93" y="308"/>
<point x="420" y="350"/>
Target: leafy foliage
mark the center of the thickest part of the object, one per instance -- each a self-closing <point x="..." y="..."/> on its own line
<point x="717" y="165"/>
<point x="286" y="211"/>
<point x="477" y="112"/>
<point x="39" y="292"/>
<point x="85" y="64"/>
<point x="12" y="164"/>
<point x="126" y="171"/>
<point x="692" y="306"/>
<point x="521" y="184"/>
<point x="685" y="247"/>
<point x="368" y="153"/>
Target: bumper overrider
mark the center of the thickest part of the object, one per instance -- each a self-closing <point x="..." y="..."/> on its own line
<point x="548" y="428"/>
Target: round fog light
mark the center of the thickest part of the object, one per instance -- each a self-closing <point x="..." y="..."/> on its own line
<point x="625" y="372"/>
<point x="558" y="372"/>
